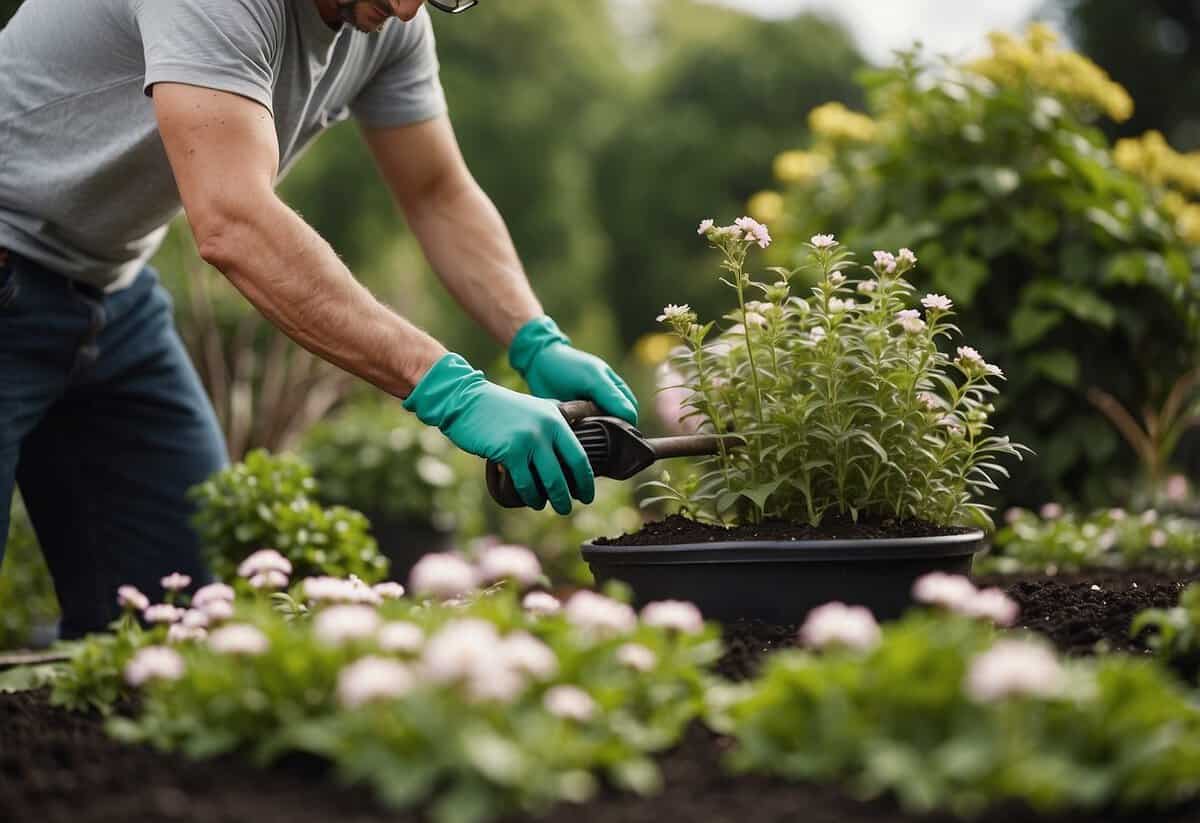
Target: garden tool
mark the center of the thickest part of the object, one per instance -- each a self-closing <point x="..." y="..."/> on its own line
<point x="614" y="448"/>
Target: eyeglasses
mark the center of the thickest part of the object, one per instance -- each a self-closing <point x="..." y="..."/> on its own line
<point x="453" y="6"/>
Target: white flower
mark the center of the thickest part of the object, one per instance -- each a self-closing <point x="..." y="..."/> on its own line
<point x="817" y="334"/>
<point x="929" y="400"/>
<point x="754" y="231"/>
<point x="401" y="636"/>
<point x="217" y="610"/>
<point x="838" y="305"/>
<point x="992" y="604"/>
<point x="595" y="612"/>
<point x="908" y="314"/>
<point x="569" y="703"/>
<point x="238" y="638"/>
<point x="637" y="657"/>
<point x="1013" y="514"/>
<point x="194" y="619"/>
<point x="993" y="370"/>
<point x="907" y="256"/>
<point x="673" y="312"/>
<point x="162" y="613"/>
<point x="868" y="286"/>
<point x="442" y="575"/>
<point x="526" y="653"/>
<point x="180" y="633"/>
<point x="502" y="684"/>
<point x="1014" y="668"/>
<point x="969" y="357"/>
<point x="373" y="678"/>
<point x="1158" y="538"/>
<point x="434" y="471"/>
<point x="1117" y="514"/>
<point x="541" y="603"/>
<point x="264" y="560"/>
<point x="1051" y="511"/>
<point x="212" y="593"/>
<point x="1149" y="516"/>
<point x="912" y="325"/>
<point x="823" y="241"/>
<point x="885" y="260"/>
<point x="388" y="590"/>
<point x="338" y="624"/>
<point x="940" y="302"/>
<point x="129" y="597"/>
<point x="706" y="226"/>
<point x="676" y="615"/>
<point x="949" y="591"/>
<point x="838" y="624"/>
<point x="270" y="579"/>
<point x="515" y="563"/>
<point x="175" y="582"/>
<point x="153" y="663"/>
<point x="459" y="648"/>
<point x="837" y="278"/>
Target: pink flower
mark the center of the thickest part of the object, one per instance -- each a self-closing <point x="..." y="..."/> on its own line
<point x="269" y="580"/>
<point x="335" y="589"/>
<point x="373" y="678"/>
<point x="838" y="624"/>
<point x="754" y="230"/>
<point x="129" y="597"/>
<point x="969" y="356"/>
<point x="180" y="633"/>
<point x="637" y="657"/>
<point x="992" y="604"/>
<point x="153" y="663"/>
<point x="569" y="703"/>
<point x="1158" y="538"/>
<point x="175" y="582"/>
<point x="459" y="648"/>
<point x="1176" y="488"/>
<point x="705" y="227"/>
<point x="238" y="639"/>
<point x="1051" y="511"/>
<point x="194" y="619"/>
<point x="162" y="613"/>
<point x="675" y="615"/>
<point x="524" y="652"/>
<point x="401" y="636"/>
<point x="885" y="260"/>
<point x="442" y="575"/>
<point x="1013" y="514"/>
<point x="388" y="590"/>
<point x="950" y="591"/>
<point x="1014" y="668"/>
<point x="929" y="400"/>
<point x="836" y="278"/>
<point x="336" y="625"/>
<point x="600" y="614"/>
<point x="907" y="256"/>
<point x="823" y="241"/>
<point x="212" y="593"/>
<point x="541" y="603"/>
<point x="264" y="560"/>
<point x="868" y="286"/>
<point x="938" y="302"/>
<point x="217" y="611"/>
<point x="515" y="563"/>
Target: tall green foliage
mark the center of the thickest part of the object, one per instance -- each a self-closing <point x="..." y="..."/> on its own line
<point x="1067" y="271"/>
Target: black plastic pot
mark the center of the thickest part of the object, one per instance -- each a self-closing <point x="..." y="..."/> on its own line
<point x="780" y="581"/>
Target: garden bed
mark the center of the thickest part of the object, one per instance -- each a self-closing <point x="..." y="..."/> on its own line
<point x="59" y="766"/>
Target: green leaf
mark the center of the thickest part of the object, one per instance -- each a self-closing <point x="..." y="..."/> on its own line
<point x="1058" y="365"/>
<point x="960" y="277"/>
<point x="1028" y="324"/>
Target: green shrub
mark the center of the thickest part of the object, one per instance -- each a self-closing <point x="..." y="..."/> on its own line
<point x="379" y="459"/>
<point x="1069" y="270"/>
<point x="944" y="717"/>
<point x="1108" y="538"/>
<point x="266" y="501"/>
<point x="27" y="597"/>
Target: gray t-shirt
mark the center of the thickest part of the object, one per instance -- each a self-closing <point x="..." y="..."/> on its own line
<point x="85" y="186"/>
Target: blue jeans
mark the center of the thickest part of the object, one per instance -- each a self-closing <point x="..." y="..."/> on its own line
<point x="104" y="426"/>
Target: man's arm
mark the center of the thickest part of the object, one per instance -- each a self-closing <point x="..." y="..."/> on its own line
<point x="460" y="230"/>
<point x="224" y="153"/>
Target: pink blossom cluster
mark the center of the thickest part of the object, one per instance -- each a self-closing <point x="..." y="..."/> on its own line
<point x="836" y="624"/>
<point x="744" y="228"/>
<point x="266" y="569"/>
<point x="957" y="594"/>
<point x="1015" y="668"/>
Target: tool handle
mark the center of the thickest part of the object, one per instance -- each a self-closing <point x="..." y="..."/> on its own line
<point x="499" y="481"/>
<point x="692" y="445"/>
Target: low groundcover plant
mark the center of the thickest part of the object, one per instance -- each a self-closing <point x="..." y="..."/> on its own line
<point x="475" y="701"/>
<point x="940" y="711"/>
<point x="845" y="402"/>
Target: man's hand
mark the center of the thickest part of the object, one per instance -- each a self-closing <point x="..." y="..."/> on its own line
<point x="553" y="368"/>
<point x="527" y="435"/>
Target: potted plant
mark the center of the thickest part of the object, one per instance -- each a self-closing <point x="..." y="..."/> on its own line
<point x="860" y="448"/>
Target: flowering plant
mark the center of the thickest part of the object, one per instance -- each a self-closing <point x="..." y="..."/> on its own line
<point x="938" y="711"/>
<point x="266" y="500"/>
<point x="1072" y="262"/>
<point x="1056" y="540"/>
<point x="844" y="401"/>
<point x="476" y="702"/>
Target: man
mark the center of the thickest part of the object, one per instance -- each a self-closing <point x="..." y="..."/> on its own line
<point x="113" y="114"/>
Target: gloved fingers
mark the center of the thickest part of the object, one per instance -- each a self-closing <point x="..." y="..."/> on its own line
<point x="611" y="394"/>
<point x="623" y="387"/>
<point x="526" y="485"/>
<point x="579" y="469"/>
<point x="550" y="472"/>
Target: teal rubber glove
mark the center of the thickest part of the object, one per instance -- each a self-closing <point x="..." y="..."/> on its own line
<point x="527" y="435"/>
<point x="543" y="355"/>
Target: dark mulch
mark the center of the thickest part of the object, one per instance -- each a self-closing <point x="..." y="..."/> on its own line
<point x="56" y="766"/>
<point x="677" y="529"/>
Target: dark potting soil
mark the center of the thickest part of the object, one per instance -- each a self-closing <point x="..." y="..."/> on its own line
<point x="677" y="529"/>
<point x="58" y="766"/>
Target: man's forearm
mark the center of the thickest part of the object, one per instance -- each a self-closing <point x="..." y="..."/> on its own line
<point x="293" y="277"/>
<point x="466" y="241"/>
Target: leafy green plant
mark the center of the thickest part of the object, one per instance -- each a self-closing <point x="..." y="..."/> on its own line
<point x="1070" y="270"/>
<point x="478" y="708"/>
<point x="27" y="597"/>
<point x="943" y="716"/>
<point x="378" y="459"/>
<point x="266" y="501"/>
<point x="1062" y="541"/>
<point x="92" y="679"/>
<point x="1173" y="632"/>
<point x="843" y="400"/>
